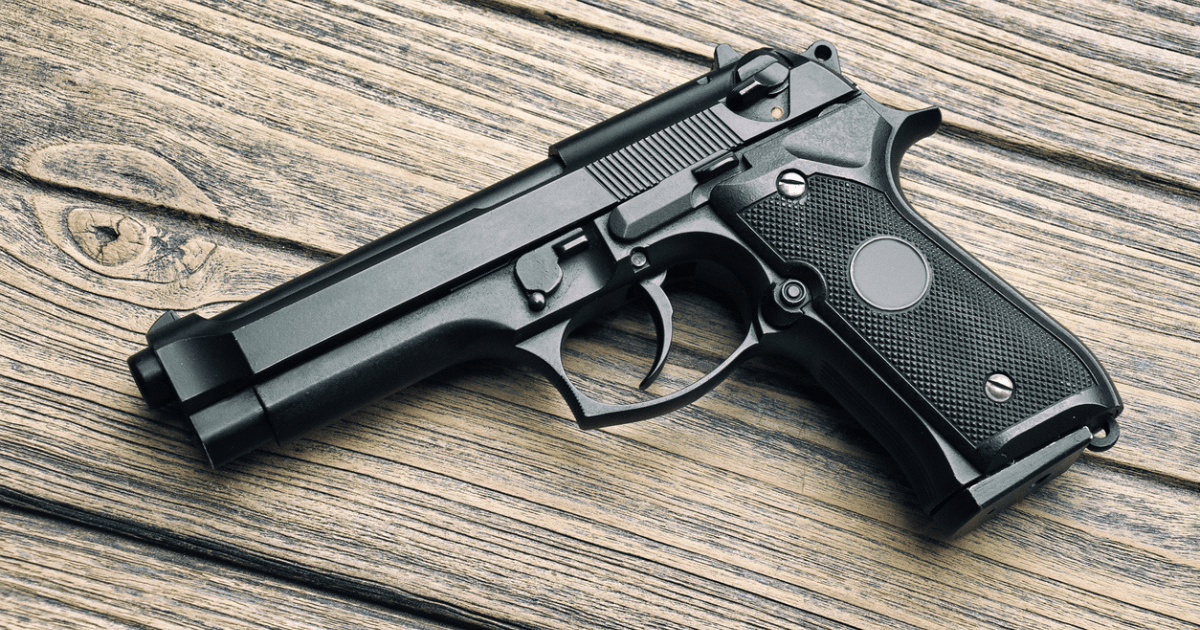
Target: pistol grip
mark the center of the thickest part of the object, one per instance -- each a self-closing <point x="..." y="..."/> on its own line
<point x="995" y="375"/>
<point x="948" y="483"/>
<point x="956" y="372"/>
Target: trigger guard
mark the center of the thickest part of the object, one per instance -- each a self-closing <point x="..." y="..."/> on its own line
<point x="544" y="351"/>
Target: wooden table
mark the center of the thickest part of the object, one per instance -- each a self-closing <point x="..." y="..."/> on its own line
<point x="189" y="154"/>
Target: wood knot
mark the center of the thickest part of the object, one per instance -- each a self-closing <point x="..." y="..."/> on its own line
<point x="109" y="238"/>
<point x="117" y="245"/>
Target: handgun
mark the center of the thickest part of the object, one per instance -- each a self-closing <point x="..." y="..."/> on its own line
<point x="772" y="180"/>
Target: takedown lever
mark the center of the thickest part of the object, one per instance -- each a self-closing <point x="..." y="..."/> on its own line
<point x="538" y="272"/>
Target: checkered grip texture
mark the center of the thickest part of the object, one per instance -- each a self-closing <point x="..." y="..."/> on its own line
<point x="949" y="343"/>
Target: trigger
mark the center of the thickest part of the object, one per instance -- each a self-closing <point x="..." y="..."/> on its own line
<point x="662" y="313"/>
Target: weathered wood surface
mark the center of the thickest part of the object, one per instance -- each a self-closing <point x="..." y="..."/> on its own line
<point x="60" y="575"/>
<point x="190" y="154"/>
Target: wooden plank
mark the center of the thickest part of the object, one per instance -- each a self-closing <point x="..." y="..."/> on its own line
<point x="717" y="470"/>
<point x="58" y="575"/>
<point x="356" y="146"/>
<point x="374" y="186"/>
<point x="1067" y="83"/>
<point x="762" y="506"/>
<point x="1090" y="251"/>
<point x="707" y="519"/>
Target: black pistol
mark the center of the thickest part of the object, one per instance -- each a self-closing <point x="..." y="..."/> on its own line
<point x="772" y="180"/>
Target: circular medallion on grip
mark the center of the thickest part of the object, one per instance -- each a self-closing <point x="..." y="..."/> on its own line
<point x="889" y="273"/>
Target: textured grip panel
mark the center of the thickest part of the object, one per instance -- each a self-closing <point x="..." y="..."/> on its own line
<point x="948" y="344"/>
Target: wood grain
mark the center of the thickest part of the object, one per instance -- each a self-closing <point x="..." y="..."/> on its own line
<point x="191" y="154"/>
<point x="55" y="574"/>
<point x="1028" y="76"/>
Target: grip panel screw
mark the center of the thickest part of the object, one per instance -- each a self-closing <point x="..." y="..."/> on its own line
<point x="999" y="387"/>
<point x="791" y="184"/>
